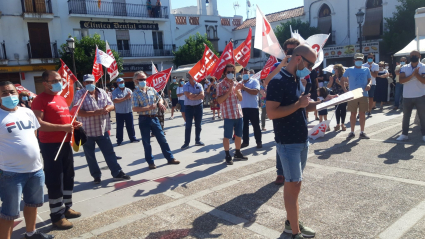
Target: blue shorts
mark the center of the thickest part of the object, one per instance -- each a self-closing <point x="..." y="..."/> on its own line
<point x="293" y="158"/>
<point x="13" y="185"/>
<point x="181" y="102"/>
<point x="371" y="92"/>
<point x="230" y="124"/>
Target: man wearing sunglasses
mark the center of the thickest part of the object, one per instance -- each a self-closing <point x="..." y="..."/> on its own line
<point x="146" y="102"/>
<point x="287" y="106"/>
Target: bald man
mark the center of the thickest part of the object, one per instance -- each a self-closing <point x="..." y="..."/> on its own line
<point x="287" y="106"/>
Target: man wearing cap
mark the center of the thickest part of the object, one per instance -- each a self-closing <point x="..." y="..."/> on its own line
<point x="358" y="77"/>
<point x="121" y="97"/>
<point x="194" y="93"/>
<point x="94" y="116"/>
<point x="172" y="93"/>
<point x="250" y="89"/>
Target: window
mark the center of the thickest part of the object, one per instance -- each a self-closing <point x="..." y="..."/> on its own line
<point x="373" y="24"/>
<point x="157" y="40"/>
<point x="80" y="33"/>
<point x="325" y="19"/>
<point x="123" y="39"/>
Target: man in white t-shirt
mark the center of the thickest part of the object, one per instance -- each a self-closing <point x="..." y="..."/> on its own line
<point x="21" y="170"/>
<point x="374" y="70"/>
<point x="412" y="76"/>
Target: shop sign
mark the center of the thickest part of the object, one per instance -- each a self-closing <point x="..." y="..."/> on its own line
<point x="118" y="25"/>
<point x="350" y="50"/>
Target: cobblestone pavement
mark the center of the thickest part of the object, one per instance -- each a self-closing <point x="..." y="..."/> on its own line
<point x="351" y="189"/>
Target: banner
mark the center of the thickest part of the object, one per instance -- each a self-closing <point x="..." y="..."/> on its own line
<point x="159" y="80"/>
<point x="265" y="39"/>
<point x="243" y="52"/>
<point x="226" y="58"/>
<point x="113" y="69"/>
<point x="97" y="71"/>
<point x="68" y="80"/>
<point x="317" y="42"/>
<point x="319" y="130"/>
<point x="21" y="89"/>
<point x="204" y="66"/>
<point x="266" y="70"/>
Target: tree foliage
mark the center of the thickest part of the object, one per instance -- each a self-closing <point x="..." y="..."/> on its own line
<point x="84" y="55"/>
<point x="192" y="50"/>
<point x="283" y="31"/>
<point x="400" y="28"/>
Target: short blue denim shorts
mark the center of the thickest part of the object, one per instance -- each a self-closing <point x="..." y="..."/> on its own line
<point x="293" y="158"/>
<point x="13" y="185"/>
<point x="230" y="124"/>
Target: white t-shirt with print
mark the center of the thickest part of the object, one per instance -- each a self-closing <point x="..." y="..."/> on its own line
<point x="181" y="91"/>
<point x="413" y="88"/>
<point x="19" y="150"/>
<point x="373" y="68"/>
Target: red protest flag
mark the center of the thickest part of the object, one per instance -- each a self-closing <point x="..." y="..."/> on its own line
<point x="68" y="80"/>
<point x="266" y="70"/>
<point x="21" y="89"/>
<point x="243" y="52"/>
<point x="225" y="58"/>
<point x="204" y="66"/>
<point x="113" y="68"/>
<point x="97" y="71"/>
<point x="159" y="80"/>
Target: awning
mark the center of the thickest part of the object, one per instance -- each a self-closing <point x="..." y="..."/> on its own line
<point x="372" y="25"/>
<point x="325" y="24"/>
<point x="412" y="46"/>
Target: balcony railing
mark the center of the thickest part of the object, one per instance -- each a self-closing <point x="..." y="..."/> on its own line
<point x="3" y="55"/>
<point x="144" y="50"/>
<point x="43" y="51"/>
<point x="116" y="9"/>
<point x="36" y="6"/>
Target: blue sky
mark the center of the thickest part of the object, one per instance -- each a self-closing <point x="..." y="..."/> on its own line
<point x="225" y="7"/>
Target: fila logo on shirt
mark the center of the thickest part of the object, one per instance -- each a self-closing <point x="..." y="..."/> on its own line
<point x="20" y="126"/>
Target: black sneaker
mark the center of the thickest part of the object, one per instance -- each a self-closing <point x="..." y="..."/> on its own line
<point x="239" y="156"/>
<point x="121" y="176"/>
<point x="229" y="160"/>
<point x="135" y="141"/>
<point x="118" y="157"/>
<point x="119" y="144"/>
<point x="39" y="235"/>
<point x="199" y="143"/>
<point x="351" y="135"/>
<point x="259" y="145"/>
<point x="185" y="146"/>
<point x="363" y="136"/>
<point x="369" y="114"/>
<point x="244" y="145"/>
<point x="97" y="180"/>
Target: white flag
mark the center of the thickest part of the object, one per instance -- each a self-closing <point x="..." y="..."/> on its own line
<point x="103" y="58"/>
<point x="296" y="35"/>
<point x="317" y="42"/>
<point x="154" y="70"/>
<point x="319" y="130"/>
<point x="265" y="39"/>
<point x="113" y="69"/>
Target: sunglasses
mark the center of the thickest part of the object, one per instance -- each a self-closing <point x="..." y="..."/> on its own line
<point x="310" y="65"/>
<point x="142" y="79"/>
<point x="230" y="72"/>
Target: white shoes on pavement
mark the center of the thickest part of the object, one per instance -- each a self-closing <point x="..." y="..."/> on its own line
<point x="404" y="137"/>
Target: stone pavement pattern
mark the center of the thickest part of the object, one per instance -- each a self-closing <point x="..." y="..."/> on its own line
<point x="351" y="189"/>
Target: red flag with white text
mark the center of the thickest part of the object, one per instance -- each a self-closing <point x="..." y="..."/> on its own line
<point x="97" y="71"/>
<point x="243" y="52"/>
<point x="21" y="89"/>
<point x="159" y="80"/>
<point x="225" y="58"/>
<point x="266" y="70"/>
<point x="113" y="69"/>
<point x="204" y="66"/>
<point x="68" y="80"/>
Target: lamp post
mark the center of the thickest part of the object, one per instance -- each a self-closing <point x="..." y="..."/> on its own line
<point x="71" y="46"/>
<point x="360" y="16"/>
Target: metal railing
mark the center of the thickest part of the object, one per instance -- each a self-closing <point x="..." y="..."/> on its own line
<point x="116" y="9"/>
<point x="42" y="51"/>
<point x="3" y="55"/>
<point x="145" y="50"/>
<point x="36" y="6"/>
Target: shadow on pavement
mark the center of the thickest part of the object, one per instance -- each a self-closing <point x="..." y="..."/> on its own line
<point x="343" y="147"/>
<point x="399" y="152"/>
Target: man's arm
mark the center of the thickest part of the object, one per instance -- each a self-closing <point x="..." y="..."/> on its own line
<point x="311" y="106"/>
<point x="404" y="79"/>
<point x="143" y="109"/>
<point x="419" y="76"/>
<point x="239" y="95"/>
<point x="275" y="111"/>
<point x="251" y="91"/>
<point x="223" y="98"/>
<point x="120" y="100"/>
<point x="49" y="127"/>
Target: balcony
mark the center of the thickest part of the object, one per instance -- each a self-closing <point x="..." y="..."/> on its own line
<point x="144" y="50"/>
<point x="37" y="9"/>
<point x="43" y="53"/>
<point x="115" y="10"/>
<point x="3" y="56"/>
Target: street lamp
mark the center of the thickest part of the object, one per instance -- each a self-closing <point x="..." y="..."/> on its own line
<point x="71" y="47"/>
<point x="360" y="16"/>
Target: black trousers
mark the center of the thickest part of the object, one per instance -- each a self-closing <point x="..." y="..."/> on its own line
<point x="253" y="115"/>
<point x="59" y="176"/>
<point x="341" y="112"/>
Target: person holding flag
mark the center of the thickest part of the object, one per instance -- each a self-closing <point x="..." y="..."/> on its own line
<point x="146" y="101"/>
<point x="54" y="118"/>
<point x="96" y="124"/>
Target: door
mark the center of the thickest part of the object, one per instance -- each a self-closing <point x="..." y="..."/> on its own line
<point x="158" y="44"/>
<point x="39" y="40"/>
<point x="39" y="88"/>
<point x="119" y="8"/>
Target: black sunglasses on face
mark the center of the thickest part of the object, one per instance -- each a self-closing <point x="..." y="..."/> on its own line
<point x="310" y="65"/>
<point x="141" y="79"/>
<point x="230" y="72"/>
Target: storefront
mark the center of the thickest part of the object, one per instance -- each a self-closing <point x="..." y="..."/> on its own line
<point x="344" y="54"/>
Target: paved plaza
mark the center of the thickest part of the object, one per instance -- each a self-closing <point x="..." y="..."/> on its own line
<point x="352" y="189"/>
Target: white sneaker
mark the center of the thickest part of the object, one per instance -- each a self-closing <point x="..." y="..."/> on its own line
<point x="171" y="117"/>
<point x="403" y="137"/>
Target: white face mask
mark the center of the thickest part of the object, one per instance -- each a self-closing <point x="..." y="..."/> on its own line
<point x="230" y="76"/>
<point x="386" y="68"/>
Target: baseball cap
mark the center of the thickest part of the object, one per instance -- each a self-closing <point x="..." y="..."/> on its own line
<point x="120" y="79"/>
<point x="88" y="77"/>
<point x="359" y="56"/>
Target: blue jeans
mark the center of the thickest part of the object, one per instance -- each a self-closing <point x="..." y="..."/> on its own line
<point x="128" y="119"/>
<point x="398" y="95"/>
<point x="146" y="124"/>
<point x="191" y="111"/>
<point x="105" y="145"/>
<point x="293" y="158"/>
<point x="233" y="125"/>
<point x="279" y="168"/>
<point x="13" y="185"/>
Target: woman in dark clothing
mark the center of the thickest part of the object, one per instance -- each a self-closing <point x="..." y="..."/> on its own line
<point x="314" y="87"/>
<point x="381" y="90"/>
<point x="339" y="87"/>
<point x="320" y="77"/>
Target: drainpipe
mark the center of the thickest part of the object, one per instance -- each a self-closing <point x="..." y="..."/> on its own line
<point x="309" y="11"/>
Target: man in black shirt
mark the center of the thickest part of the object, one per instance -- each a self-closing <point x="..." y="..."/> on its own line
<point x="287" y="105"/>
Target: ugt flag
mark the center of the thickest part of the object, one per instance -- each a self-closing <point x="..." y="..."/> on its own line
<point x="266" y="70"/>
<point x="319" y="130"/>
<point x="225" y="58"/>
<point x="243" y="52"/>
<point x="97" y="71"/>
<point x="204" y="66"/>
<point x="103" y="58"/>
<point x="317" y="42"/>
<point x="68" y="80"/>
<point x="159" y="80"/>
<point x="113" y="69"/>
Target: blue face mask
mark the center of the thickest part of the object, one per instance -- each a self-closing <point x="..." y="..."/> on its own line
<point x="90" y="87"/>
<point x="122" y="85"/>
<point x="182" y="83"/>
<point x="402" y="63"/>
<point x="245" y="77"/>
<point x="174" y="80"/>
<point x="25" y="98"/>
<point x="230" y="76"/>
<point x="57" y="87"/>
<point x="142" y="84"/>
<point x="370" y="60"/>
<point x="333" y="72"/>
<point x="303" y="73"/>
<point x="358" y="63"/>
<point x="10" y="102"/>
